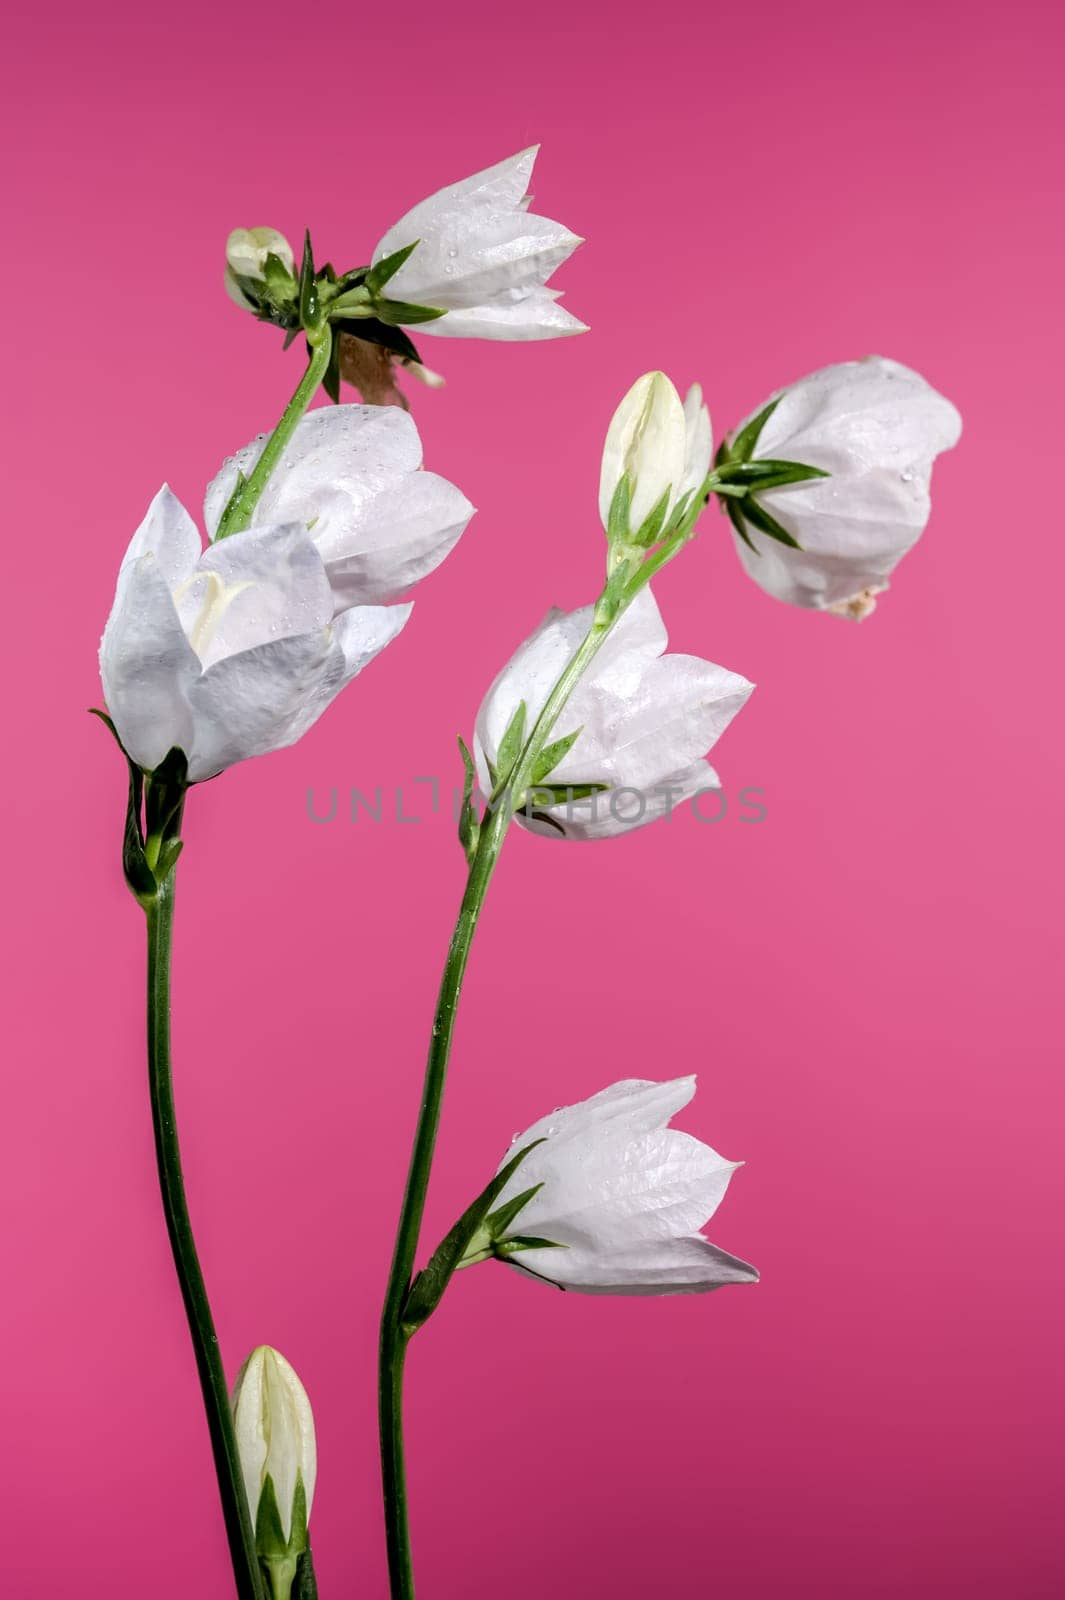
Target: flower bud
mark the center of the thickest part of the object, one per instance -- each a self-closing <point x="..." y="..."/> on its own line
<point x="247" y="252"/>
<point x="646" y="444"/>
<point x="274" y="1427"/>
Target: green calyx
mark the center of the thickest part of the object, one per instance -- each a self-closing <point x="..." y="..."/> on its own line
<point x="737" y="478"/>
<point x="666" y="522"/>
<point x="286" y="1563"/>
<point x="151" y="840"/>
<point x="352" y="302"/>
<point x="478" y="1235"/>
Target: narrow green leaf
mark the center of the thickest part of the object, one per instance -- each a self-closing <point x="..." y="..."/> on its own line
<point x="497" y="1222"/>
<point x="617" y="522"/>
<point x="742" y="446"/>
<point x="650" y="529"/>
<point x="511" y="742"/>
<point x="548" y="821"/>
<point x="553" y="754"/>
<point x="380" y="273"/>
<point x="770" y="474"/>
<point x="269" y="1531"/>
<point x="310" y="309"/>
<point x="428" y="1287"/>
<point x="331" y="378"/>
<point x="400" y="314"/>
<point x="759" y="518"/>
<point x="528" y="1241"/>
<point x="560" y="794"/>
<point x="735" y="516"/>
<point x="469" y="826"/>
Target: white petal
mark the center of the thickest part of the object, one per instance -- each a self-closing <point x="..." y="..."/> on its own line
<point x="632" y="1106"/>
<point x="338" y="458"/>
<point x="699" y="443"/>
<point x="500" y="187"/>
<point x="147" y="665"/>
<point x="393" y="540"/>
<point x="472" y="260"/>
<point x="876" y="428"/>
<point x="860" y="414"/>
<point x="274" y="1427"/>
<point x="536" y="316"/>
<point x="675" y="1266"/>
<point x="621" y="809"/>
<point x="168" y="533"/>
<point x="647" y="439"/>
<point x="253" y="587"/>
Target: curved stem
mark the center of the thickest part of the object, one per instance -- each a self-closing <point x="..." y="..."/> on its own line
<point x="394" y="1336"/>
<point x="245" y="497"/>
<point x="160" y="914"/>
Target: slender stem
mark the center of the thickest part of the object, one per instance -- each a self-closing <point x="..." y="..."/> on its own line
<point x="160" y="915"/>
<point x="245" y="497"/>
<point x="395" y="1336"/>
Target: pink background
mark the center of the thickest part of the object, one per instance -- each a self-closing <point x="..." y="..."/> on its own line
<point x="864" y="982"/>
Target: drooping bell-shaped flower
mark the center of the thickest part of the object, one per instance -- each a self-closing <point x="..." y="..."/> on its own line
<point x="274" y="1428"/>
<point x="620" y="1198"/>
<point x="483" y="257"/>
<point x="659" y="448"/>
<point x="646" y="721"/>
<point x="229" y="652"/>
<point x="353" y="476"/>
<point x="874" y="428"/>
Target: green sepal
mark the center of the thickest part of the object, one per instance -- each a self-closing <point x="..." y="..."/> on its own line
<point x="309" y="300"/>
<point x="331" y="376"/>
<point x="269" y="1533"/>
<point x="527" y="1241"/>
<point x="380" y="273"/>
<point x="553" y="754"/>
<point x="613" y="595"/>
<point x="399" y="313"/>
<point x="547" y="820"/>
<point x="270" y="1541"/>
<point x="617" y="521"/>
<point x="280" y="283"/>
<point x="735" y="516"/>
<point x="743" y="445"/>
<point x="428" y="1287"/>
<point x="135" y="869"/>
<point x="497" y="1222"/>
<point x="374" y="331"/>
<point x="650" y="530"/>
<point x="769" y="474"/>
<point x="165" y="794"/>
<point x="759" y="518"/>
<point x="354" y="302"/>
<point x="560" y="794"/>
<point x="469" y="826"/>
<point x="511" y="743"/>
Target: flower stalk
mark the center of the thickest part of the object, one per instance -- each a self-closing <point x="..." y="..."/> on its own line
<point x="623" y="585"/>
<point x="245" y="497"/>
<point x="159" y="912"/>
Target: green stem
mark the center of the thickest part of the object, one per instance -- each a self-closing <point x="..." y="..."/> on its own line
<point x="160" y="914"/>
<point x="395" y="1335"/>
<point x="245" y="497"/>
